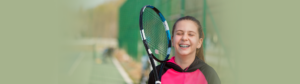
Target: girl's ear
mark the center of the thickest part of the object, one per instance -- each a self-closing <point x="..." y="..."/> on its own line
<point x="172" y="41"/>
<point x="200" y="43"/>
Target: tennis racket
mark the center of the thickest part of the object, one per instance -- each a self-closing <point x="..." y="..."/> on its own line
<point x="155" y="34"/>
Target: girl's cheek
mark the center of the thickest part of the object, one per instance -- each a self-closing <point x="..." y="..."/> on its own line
<point x="177" y="39"/>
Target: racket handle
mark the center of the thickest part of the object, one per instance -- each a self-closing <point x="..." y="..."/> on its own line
<point x="157" y="82"/>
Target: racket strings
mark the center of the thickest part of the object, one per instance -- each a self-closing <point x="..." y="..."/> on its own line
<point x="155" y="34"/>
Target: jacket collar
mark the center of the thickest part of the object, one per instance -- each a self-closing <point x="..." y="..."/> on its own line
<point x="197" y="63"/>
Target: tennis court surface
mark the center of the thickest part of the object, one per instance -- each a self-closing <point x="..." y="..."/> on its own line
<point x="83" y="68"/>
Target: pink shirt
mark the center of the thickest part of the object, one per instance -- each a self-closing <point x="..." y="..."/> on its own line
<point x="172" y="76"/>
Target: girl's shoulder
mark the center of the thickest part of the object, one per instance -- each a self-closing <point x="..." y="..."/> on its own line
<point x="209" y="73"/>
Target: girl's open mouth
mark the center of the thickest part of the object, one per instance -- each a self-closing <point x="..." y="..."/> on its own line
<point x="184" y="46"/>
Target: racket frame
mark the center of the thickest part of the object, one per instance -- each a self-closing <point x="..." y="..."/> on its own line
<point x="151" y="56"/>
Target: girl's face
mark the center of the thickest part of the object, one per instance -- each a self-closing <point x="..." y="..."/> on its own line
<point x="186" y="39"/>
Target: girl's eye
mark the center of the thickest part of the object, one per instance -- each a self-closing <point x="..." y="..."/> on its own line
<point x="178" y="33"/>
<point x="191" y="34"/>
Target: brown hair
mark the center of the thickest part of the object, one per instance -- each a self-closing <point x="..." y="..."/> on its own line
<point x="199" y="52"/>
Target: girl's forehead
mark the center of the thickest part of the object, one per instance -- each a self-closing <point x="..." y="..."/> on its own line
<point x="186" y="25"/>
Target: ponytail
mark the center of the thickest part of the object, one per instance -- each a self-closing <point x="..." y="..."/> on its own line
<point x="200" y="51"/>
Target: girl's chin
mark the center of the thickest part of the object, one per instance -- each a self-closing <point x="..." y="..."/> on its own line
<point x="183" y="53"/>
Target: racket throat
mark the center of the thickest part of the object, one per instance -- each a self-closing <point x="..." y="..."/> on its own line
<point x="154" y="67"/>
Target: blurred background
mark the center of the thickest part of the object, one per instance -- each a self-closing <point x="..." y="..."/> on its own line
<point x="98" y="41"/>
<point x="107" y="48"/>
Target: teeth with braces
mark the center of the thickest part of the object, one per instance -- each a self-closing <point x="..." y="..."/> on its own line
<point x="184" y="46"/>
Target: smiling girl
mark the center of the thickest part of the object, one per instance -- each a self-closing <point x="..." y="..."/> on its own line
<point x="187" y="66"/>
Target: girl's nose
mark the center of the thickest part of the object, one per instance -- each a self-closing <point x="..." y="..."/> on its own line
<point x="184" y="37"/>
